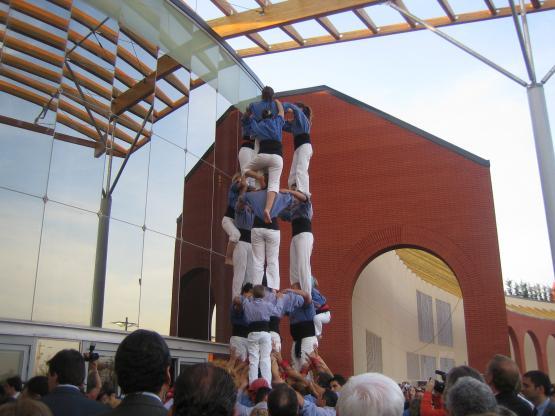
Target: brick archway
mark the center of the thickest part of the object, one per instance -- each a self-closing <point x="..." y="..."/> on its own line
<point x="482" y="341"/>
<point x="540" y="356"/>
<point x="518" y="348"/>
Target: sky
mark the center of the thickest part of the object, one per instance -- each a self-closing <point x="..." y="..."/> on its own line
<point x="424" y="80"/>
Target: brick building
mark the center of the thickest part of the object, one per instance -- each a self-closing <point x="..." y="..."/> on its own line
<point x="378" y="184"/>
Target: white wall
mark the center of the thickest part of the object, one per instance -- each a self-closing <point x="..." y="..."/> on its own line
<point x="530" y="357"/>
<point x="384" y="302"/>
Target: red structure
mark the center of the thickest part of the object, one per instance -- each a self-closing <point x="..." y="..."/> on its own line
<point x="378" y="184"/>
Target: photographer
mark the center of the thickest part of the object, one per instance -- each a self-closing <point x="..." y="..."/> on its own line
<point x="432" y="402"/>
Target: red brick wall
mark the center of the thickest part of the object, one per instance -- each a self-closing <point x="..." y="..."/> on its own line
<point x="538" y="329"/>
<point x="376" y="186"/>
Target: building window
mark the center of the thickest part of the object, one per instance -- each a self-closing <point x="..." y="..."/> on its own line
<point x="446" y="364"/>
<point x="427" y="367"/>
<point x="425" y="317"/>
<point x="374" y="362"/>
<point x="413" y="366"/>
<point x="444" y="324"/>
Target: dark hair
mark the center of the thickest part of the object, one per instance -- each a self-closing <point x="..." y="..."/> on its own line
<point x="306" y="110"/>
<point x="247" y="287"/>
<point x="505" y="375"/>
<point x="461" y="371"/>
<point x="37" y="386"/>
<point x="282" y="401"/>
<point x="324" y="379"/>
<point x="539" y="379"/>
<point x="15" y="383"/>
<point x="339" y="378"/>
<point x="261" y="394"/>
<point x="267" y="113"/>
<point x="141" y="362"/>
<point x="267" y="93"/>
<point x="258" y="291"/>
<point x="69" y="366"/>
<point x="330" y="397"/>
<point x="204" y="389"/>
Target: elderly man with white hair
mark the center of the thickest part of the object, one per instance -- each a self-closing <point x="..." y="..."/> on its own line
<point x="370" y="394"/>
<point x="469" y="396"/>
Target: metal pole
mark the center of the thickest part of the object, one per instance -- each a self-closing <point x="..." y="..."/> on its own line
<point x="101" y="260"/>
<point x="545" y="155"/>
<point x="524" y="45"/>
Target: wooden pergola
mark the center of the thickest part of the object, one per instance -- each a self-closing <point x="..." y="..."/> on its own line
<point x="285" y="15"/>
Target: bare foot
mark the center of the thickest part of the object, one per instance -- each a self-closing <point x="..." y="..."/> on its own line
<point x="267" y="217"/>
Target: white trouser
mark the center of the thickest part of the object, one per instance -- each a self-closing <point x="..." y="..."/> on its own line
<point x="240" y="345"/>
<point x="265" y="246"/>
<point x="243" y="271"/>
<point x="308" y="345"/>
<point x="319" y="320"/>
<point x="299" y="263"/>
<point x="231" y="230"/>
<point x="246" y="154"/>
<point x="260" y="348"/>
<point x="299" y="168"/>
<point x="272" y="163"/>
<point x="276" y="341"/>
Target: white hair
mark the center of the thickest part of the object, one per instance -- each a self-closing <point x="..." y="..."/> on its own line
<point x="469" y="396"/>
<point x="370" y="394"/>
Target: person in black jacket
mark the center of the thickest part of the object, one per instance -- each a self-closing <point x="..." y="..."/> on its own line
<point x="536" y="387"/>
<point x="66" y="372"/>
<point x="503" y="376"/>
<point x="142" y="367"/>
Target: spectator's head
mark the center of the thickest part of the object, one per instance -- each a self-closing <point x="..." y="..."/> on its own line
<point x="329" y="399"/>
<point x="66" y="367"/>
<point x="204" y="389"/>
<point x="337" y="382"/>
<point x="306" y="110"/>
<point x="142" y="363"/>
<point x="262" y="395"/>
<point x="370" y="394"/>
<point x="246" y="289"/>
<point x="255" y="386"/>
<point x="469" y="396"/>
<point x="267" y="93"/>
<point x="36" y="387"/>
<point x="258" y="291"/>
<point x="461" y="371"/>
<point x="13" y="385"/>
<point x="25" y="407"/>
<point x="536" y="386"/>
<point x="503" y="375"/>
<point x="282" y="401"/>
<point x="323" y="379"/>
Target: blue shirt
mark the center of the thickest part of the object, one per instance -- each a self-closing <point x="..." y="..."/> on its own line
<point x="257" y="309"/>
<point x="256" y="201"/>
<point x="310" y="409"/>
<point x="297" y="209"/>
<point x="237" y="317"/>
<point x="289" y="302"/>
<point x="302" y="314"/>
<point x="267" y="129"/>
<point x="300" y="123"/>
<point x="317" y="298"/>
<point x="233" y="194"/>
<point x="257" y="108"/>
<point x="541" y="408"/>
<point x="244" y="216"/>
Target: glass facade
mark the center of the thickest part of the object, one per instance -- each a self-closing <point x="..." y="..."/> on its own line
<point x="111" y="98"/>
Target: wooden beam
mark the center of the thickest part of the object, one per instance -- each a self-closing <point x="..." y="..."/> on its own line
<point x="168" y="110"/>
<point x="175" y="82"/>
<point x="391" y="30"/>
<point x="40" y="14"/>
<point x="64" y="4"/>
<point x="536" y="3"/>
<point x="91" y="23"/>
<point x="259" y="40"/>
<point x="35" y="69"/>
<point x="224" y="7"/>
<point x="280" y="14"/>
<point x="491" y="7"/>
<point x="148" y="46"/>
<point x="447" y="9"/>
<point x="328" y="25"/>
<point x="32" y="31"/>
<point x="31" y="50"/>
<point x="138" y="92"/>
<point x="366" y="19"/>
<point x="401" y="4"/>
<point x="293" y="34"/>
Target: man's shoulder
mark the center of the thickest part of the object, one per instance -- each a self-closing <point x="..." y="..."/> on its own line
<point x="138" y="405"/>
<point x="66" y="401"/>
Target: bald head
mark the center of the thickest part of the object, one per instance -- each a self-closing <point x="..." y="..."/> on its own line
<point x="503" y="375"/>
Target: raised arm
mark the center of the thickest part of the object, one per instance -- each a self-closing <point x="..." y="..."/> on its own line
<point x="280" y="109"/>
<point x="296" y="194"/>
<point x="305" y="295"/>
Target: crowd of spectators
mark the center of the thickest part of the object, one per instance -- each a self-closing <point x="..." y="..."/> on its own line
<point x="221" y="388"/>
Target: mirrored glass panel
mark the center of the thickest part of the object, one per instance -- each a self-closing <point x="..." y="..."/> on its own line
<point x="123" y="274"/>
<point x="202" y="119"/>
<point x="156" y="284"/>
<point x="20" y="227"/>
<point x="66" y="265"/>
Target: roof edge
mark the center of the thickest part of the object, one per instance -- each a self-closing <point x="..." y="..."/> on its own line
<point x="319" y="88"/>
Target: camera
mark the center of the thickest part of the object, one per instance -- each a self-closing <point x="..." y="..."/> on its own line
<point x="439" y="386"/>
<point x="91" y="355"/>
